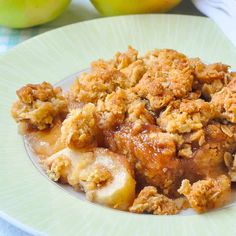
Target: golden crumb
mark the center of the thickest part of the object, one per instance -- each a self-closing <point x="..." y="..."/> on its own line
<point x="206" y="194"/>
<point x="225" y="102"/>
<point x="39" y="105"/>
<point x="111" y="110"/>
<point x="230" y="162"/>
<point x="123" y="60"/>
<point x="95" y="177"/>
<point x="79" y="129"/>
<point x="186" y="115"/>
<point x="209" y="73"/>
<point x="168" y="77"/>
<point x="59" y="169"/>
<point x="150" y="201"/>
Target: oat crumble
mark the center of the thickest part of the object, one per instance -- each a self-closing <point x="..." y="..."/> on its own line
<point x="167" y="121"/>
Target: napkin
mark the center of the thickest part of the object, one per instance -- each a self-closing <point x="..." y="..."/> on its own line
<point x="223" y="12"/>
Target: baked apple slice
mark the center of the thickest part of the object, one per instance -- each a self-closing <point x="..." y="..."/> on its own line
<point x="104" y="176"/>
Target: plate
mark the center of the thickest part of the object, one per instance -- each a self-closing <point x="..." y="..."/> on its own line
<point x="30" y="198"/>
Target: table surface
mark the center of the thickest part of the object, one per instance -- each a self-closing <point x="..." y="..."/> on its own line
<point x="79" y="10"/>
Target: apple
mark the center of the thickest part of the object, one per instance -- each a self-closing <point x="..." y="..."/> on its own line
<point x="79" y="167"/>
<point x="120" y="7"/>
<point x="27" y="13"/>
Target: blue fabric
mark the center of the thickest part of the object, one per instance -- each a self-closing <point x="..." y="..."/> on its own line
<point x="11" y="37"/>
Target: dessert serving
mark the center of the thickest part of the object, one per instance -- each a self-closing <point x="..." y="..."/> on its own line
<point x="146" y="134"/>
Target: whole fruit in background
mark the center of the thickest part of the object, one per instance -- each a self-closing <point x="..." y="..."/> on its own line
<point x="121" y="7"/>
<point x="27" y="13"/>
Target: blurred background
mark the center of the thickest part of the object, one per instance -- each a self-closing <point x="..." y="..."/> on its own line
<point x="76" y="11"/>
<point x="23" y="19"/>
<point x="33" y="17"/>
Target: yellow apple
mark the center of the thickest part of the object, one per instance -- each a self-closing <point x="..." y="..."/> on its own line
<point x="120" y="7"/>
<point x="27" y="13"/>
<point x="120" y="191"/>
<point x="104" y="176"/>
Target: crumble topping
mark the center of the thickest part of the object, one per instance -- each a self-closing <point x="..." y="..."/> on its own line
<point x="230" y="162"/>
<point x="170" y="117"/>
<point x="183" y="116"/>
<point x="39" y="105"/>
<point x="225" y="101"/>
<point x="79" y="129"/>
<point x="206" y="194"/>
<point x="59" y="168"/>
<point x="209" y="73"/>
<point x="150" y="201"/>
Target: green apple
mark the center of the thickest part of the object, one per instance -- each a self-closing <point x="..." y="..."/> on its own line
<point x="121" y="7"/>
<point x="27" y="13"/>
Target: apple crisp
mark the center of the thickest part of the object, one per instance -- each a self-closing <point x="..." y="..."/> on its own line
<point x="148" y="134"/>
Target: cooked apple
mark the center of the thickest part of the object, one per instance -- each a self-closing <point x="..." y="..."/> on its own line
<point x="120" y="7"/>
<point x="27" y="13"/>
<point x="105" y="177"/>
<point x="44" y="143"/>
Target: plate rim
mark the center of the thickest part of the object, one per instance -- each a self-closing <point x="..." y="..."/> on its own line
<point x="31" y="41"/>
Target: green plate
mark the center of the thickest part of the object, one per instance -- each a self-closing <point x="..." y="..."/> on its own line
<point x="25" y="194"/>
